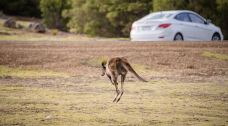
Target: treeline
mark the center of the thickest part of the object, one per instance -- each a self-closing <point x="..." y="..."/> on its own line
<point x="28" y="8"/>
<point x="106" y="17"/>
<point x="110" y="18"/>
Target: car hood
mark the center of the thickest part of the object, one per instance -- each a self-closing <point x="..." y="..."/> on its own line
<point x="215" y="27"/>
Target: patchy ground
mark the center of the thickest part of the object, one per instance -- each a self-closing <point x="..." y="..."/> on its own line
<point x="59" y="83"/>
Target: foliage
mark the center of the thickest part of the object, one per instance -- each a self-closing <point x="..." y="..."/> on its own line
<point x="222" y="7"/>
<point x="122" y="13"/>
<point x="204" y="8"/>
<point x="52" y="13"/>
<point x="86" y="18"/>
<point x="29" y="8"/>
<point x="106" y="18"/>
<point x="161" y="5"/>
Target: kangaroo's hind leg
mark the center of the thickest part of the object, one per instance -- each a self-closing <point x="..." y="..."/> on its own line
<point x="122" y="84"/>
<point x="117" y="90"/>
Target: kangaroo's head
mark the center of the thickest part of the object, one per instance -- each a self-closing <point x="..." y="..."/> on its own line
<point x="103" y="64"/>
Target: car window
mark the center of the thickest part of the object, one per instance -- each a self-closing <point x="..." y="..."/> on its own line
<point x="159" y="15"/>
<point x="196" y="19"/>
<point x="168" y="15"/>
<point x="183" y="17"/>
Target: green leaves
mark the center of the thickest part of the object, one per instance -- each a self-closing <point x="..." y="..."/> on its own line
<point x="52" y="11"/>
<point x="106" y="18"/>
<point x="222" y="7"/>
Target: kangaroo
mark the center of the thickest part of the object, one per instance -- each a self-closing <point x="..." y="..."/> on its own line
<point x="115" y="67"/>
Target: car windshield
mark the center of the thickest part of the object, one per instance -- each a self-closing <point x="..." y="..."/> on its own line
<point x="157" y="15"/>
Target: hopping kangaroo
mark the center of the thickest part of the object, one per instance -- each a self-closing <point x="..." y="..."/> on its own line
<point x="115" y="67"/>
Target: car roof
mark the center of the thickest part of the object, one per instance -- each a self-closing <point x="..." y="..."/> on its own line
<point x="174" y="11"/>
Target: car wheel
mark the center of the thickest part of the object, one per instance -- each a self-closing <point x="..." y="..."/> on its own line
<point x="216" y="37"/>
<point x="178" y="37"/>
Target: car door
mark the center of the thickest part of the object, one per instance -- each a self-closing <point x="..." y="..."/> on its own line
<point x="185" y="26"/>
<point x="201" y="29"/>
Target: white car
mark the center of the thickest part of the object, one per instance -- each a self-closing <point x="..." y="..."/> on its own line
<point x="174" y="25"/>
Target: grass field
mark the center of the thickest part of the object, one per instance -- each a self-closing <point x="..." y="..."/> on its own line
<point x="52" y="83"/>
<point x="54" y="79"/>
<point x="154" y="103"/>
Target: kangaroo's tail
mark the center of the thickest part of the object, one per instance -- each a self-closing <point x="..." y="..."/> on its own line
<point x="127" y="66"/>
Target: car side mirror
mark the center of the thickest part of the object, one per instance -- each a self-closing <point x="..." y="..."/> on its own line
<point x="208" y="21"/>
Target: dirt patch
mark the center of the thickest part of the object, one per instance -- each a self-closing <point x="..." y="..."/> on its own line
<point x="183" y="60"/>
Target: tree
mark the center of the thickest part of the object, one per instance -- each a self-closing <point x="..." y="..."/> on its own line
<point x="162" y="5"/>
<point x="28" y="8"/>
<point x="106" y="18"/>
<point x="52" y="11"/>
<point x="122" y="13"/>
<point x="206" y="8"/>
<point x="86" y="18"/>
<point x="222" y="17"/>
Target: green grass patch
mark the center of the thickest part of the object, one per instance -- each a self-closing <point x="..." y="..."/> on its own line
<point x="215" y="55"/>
<point x="25" y="24"/>
<point x="95" y="62"/>
<point x="28" y="73"/>
<point x="141" y="68"/>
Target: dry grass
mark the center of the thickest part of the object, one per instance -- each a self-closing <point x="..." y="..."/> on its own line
<point x="184" y="88"/>
<point x="153" y="103"/>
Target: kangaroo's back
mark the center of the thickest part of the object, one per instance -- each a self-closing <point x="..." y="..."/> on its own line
<point x="126" y="65"/>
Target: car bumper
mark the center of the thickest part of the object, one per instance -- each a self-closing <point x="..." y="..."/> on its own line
<point x="164" y="35"/>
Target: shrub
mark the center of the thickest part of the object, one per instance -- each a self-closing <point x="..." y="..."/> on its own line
<point x="52" y="13"/>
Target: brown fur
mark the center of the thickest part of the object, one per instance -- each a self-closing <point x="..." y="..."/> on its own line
<point x="115" y="67"/>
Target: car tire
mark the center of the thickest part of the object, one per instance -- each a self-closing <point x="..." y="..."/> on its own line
<point x="178" y="37"/>
<point x="216" y="37"/>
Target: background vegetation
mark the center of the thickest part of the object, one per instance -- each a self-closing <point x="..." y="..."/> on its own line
<point x="109" y="18"/>
<point x="52" y="13"/>
<point x="28" y="8"/>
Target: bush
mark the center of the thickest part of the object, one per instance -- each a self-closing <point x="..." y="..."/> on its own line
<point x="106" y="18"/>
<point x="28" y="8"/>
<point x="52" y="11"/>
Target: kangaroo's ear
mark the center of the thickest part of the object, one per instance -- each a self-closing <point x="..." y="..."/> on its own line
<point x="103" y="63"/>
